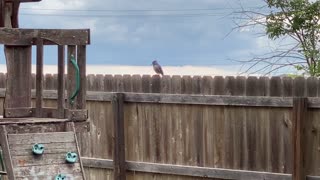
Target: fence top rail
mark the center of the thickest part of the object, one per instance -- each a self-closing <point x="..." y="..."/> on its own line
<point x="214" y="100"/>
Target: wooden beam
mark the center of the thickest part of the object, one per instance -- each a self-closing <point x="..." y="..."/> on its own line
<point x="299" y="114"/>
<point x="39" y="78"/>
<point x="23" y="1"/>
<point x="18" y="112"/>
<point x="61" y="83"/>
<point x="211" y="100"/>
<point x="24" y="37"/>
<point x="97" y="163"/>
<point x="119" y="142"/>
<point x="6" y="152"/>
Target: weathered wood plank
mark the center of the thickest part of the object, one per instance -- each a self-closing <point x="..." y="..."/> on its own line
<point x="18" y="94"/>
<point x="18" y="112"/>
<point x="71" y="77"/>
<point x="48" y="170"/>
<point x="41" y="125"/>
<point x="192" y="171"/>
<point x="52" y="148"/>
<point x="97" y="163"/>
<point x="299" y="115"/>
<point x="210" y="100"/>
<point x="76" y="176"/>
<point x="6" y="152"/>
<point x="71" y="127"/>
<point x="39" y="78"/>
<point x="32" y="138"/>
<point x="45" y="159"/>
<point x="81" y="59"/>
<point x="119" y="142"/>
<point x="61" y="83"/>
<point x="2" y="12"/>
<point x="275" y="141"/>
<point x="216" y="100"/>
<point x="25" y="37"/>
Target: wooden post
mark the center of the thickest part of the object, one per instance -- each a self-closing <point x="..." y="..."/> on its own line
<point x="39" y="78"/>
<point x="61" y="83"/>
<point x="6" y="152"/>
<point x="2" y="12"/>
<point x="71" y="76"/>
<point x="300" y="108"/>
<point x="81" y="57"/>
<point x="119" y="145"/>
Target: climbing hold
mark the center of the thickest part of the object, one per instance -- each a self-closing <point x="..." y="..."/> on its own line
<point x="71" y="157"/>
<point x="77" y="88"/>
<point x="60" y="177"/>
<point x="38" y="149"/>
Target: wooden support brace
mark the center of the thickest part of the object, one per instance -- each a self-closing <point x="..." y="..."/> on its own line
<point x="71" y="127"/>
<point x="119" y="145"/>
<point x="300" y="108"/>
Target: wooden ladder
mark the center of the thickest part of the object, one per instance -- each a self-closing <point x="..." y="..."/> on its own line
<point x="21" y="163"/>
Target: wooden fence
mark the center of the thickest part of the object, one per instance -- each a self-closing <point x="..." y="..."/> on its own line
<point x="181" y="132"/>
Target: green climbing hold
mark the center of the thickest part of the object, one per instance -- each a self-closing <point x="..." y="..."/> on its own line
<point x="38" y="149"/>
<point x="71" y="157"/>
<point x="60" y="177"/>
<point x="76" y="91"/>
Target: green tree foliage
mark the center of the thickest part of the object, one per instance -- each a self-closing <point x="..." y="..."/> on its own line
<point x="298" y="19"/>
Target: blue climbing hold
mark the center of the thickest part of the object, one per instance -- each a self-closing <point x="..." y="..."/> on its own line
<point x="60" y="177"/>
<point x="38" y="149"/>
<point x="71" y="157"/>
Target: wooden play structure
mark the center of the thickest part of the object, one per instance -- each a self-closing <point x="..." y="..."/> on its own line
<point x="39" y="142"/>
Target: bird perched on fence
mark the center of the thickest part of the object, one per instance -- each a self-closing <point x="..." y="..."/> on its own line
<point x="157" y="68"/>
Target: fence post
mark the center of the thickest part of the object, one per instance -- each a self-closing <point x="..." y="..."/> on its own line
<point x="119" y="143"/>
<point x="299" y="114"/>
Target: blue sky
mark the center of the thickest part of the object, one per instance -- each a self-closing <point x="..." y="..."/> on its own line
<point x="175" y="32"/>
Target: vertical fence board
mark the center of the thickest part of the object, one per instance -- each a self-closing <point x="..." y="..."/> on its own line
<point x="206" y="87"/>
<point x="107" y="85"/>
<point x="227" y="87"/>
<point x="240" y="160"/>
<point x="187" y="128"/>
<point x="300" y="106"/>
<point x="276" y="118"/>
<point x="253" y="125"/>
<point x="287" y="127"/>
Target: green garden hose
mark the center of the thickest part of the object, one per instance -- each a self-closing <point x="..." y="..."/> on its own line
<point x="76" y="91"/>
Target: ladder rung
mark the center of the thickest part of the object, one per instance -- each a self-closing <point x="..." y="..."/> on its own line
<point x="3" y="173"/>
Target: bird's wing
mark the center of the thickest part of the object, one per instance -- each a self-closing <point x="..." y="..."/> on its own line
<point x="157" y="68"/>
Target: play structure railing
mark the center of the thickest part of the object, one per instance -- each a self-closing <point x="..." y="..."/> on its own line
<point x="18" y="96"/>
